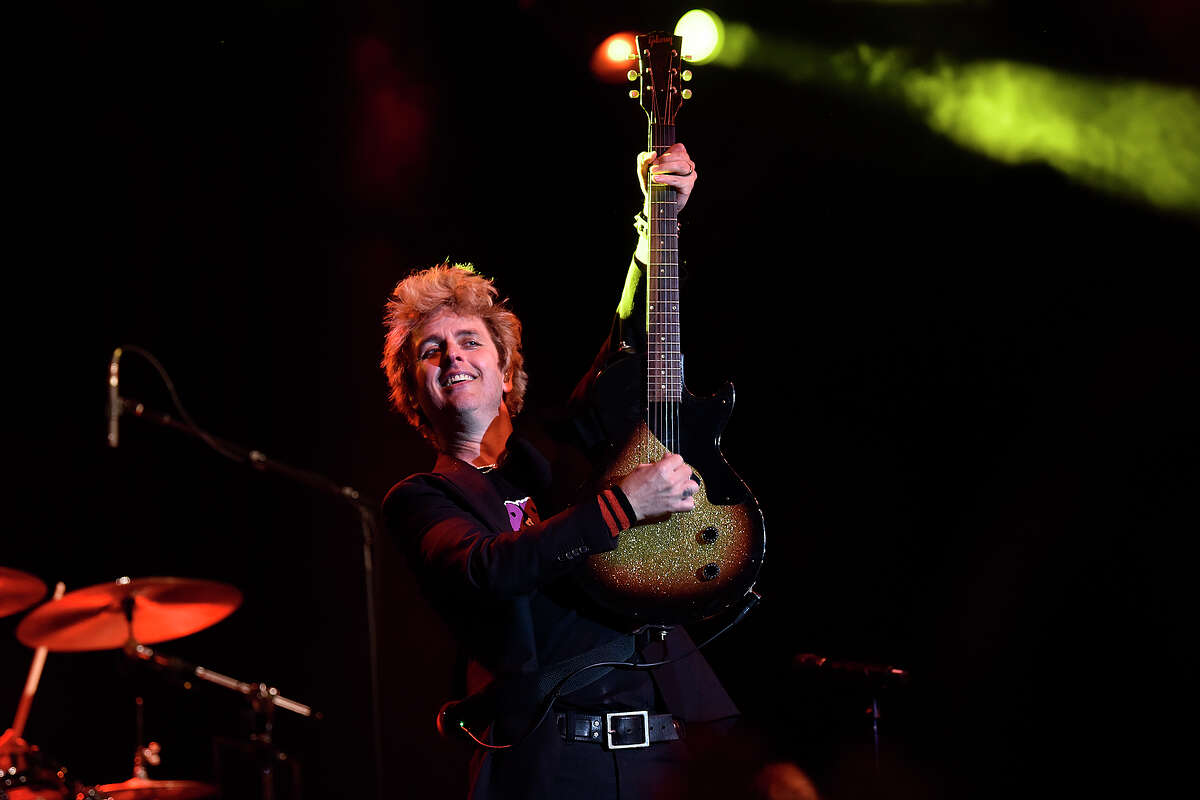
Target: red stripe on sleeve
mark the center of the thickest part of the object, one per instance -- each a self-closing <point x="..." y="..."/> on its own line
<point x="618" y="509"/>
<point x="608" y="517"/>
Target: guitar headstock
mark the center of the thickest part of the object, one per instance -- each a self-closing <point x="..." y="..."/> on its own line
<point x="659" y="67"/>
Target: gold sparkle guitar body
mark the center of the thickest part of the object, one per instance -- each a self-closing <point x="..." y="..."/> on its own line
<point x="684" y="567"/>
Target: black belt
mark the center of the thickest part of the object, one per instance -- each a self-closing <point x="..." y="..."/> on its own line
<point x="619" y="730"/>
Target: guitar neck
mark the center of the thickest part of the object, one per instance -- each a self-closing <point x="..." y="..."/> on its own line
<point x="664" y="365"/>
<point x="661" y="94"/>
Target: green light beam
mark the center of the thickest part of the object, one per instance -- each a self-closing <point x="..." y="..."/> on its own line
<point x="1132" y="138"/>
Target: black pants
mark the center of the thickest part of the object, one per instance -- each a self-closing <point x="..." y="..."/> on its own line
<point x="547" y="768"/>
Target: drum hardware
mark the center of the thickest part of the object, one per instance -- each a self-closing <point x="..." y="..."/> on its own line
<point x="264" y="700"/>
<point x="25" y="772"/>
<point x="110" y="615"/>
<point x="144" y="754"/>
<point x="146" y="789"/>
<point x="141" y="786"/>
<point x="34" y="776"/>
<point x="242" y="761"/>
<point x="99" y="618"/>
<point x="31" y="684"/>
<point x="123" y="615"/>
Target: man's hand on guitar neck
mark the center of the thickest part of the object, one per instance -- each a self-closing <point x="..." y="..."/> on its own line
<point x="672" y="168"/>
<point x="655" y="490"/>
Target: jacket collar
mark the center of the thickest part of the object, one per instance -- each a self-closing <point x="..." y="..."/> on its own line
<point x="477" y="491"/>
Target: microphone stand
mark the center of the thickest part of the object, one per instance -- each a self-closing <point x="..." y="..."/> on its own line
<point x="363" y="505"/>
<point x="876" y="676"/>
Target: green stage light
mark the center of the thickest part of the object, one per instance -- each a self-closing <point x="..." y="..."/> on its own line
<point x="1133" y="138"/>
<point x="703" y="35"/>
<point x="1128" y="137"/>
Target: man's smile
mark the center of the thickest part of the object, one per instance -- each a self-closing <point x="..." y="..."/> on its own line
<point x="457" y="377"/>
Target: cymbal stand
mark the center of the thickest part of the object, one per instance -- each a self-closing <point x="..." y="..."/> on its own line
<point x="12" y="746"/>
<point x="259" y="694"/>
<point x="264" y="700"/>
<point x="144" y="753"/>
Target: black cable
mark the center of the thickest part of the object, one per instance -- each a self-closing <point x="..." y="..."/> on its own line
<point x="752" y="600"/>
<point x="183" y="414"/>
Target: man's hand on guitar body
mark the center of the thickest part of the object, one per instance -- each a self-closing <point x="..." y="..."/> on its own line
<point x="665" y="487"/>
<point x="671" y="168"/>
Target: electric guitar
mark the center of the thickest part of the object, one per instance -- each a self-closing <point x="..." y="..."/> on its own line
<point x="687" y="566"/>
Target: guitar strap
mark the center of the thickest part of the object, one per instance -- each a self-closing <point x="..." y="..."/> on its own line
<point x="618" y="649"/>
<point x="479" y="710"/>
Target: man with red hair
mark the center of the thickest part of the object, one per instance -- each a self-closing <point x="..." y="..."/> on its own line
<point x="499" y="572"/>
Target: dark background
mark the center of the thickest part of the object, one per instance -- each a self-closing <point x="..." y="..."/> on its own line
<point x="967" y="391"/>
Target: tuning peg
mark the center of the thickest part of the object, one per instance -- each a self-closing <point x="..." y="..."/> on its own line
<point x="632" y="74"/>
<point x="687" y="94"/>
<point x="635" y="94"/>
<point x="686" y="74"/>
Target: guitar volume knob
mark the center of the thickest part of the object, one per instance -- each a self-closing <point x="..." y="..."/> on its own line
<point x="708" y="535"/>
<point x="709" y="571"/>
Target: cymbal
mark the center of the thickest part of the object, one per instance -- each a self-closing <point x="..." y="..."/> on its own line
<point x="147" y="789"/>
<point x="18" y="591"/>
<point x="95" y="618"/>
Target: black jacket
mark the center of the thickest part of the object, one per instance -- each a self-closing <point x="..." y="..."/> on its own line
<point x="509" y="600"/>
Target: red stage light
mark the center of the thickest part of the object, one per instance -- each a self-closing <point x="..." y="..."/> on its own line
<point x="618" y="49"/>
<point x="611" y="59"/>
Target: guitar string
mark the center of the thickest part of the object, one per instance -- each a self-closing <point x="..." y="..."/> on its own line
<point x="666" y="309"/>
<point x="671" y="311"/>
<point x="663" y="417"/>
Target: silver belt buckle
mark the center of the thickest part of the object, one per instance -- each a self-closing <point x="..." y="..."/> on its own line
<point x="608" y="722"/>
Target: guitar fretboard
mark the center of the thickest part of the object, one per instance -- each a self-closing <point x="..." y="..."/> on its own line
<point x="664" y="378"/>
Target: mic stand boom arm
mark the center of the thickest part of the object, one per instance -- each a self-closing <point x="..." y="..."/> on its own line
<point x="243" y="455"/>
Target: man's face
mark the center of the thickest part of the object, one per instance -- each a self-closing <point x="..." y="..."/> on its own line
<point x="460" y="383"/>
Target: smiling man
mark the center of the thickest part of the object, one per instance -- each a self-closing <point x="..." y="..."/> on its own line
<point x="462" y="384"/>
<point x="500" y="573"/>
